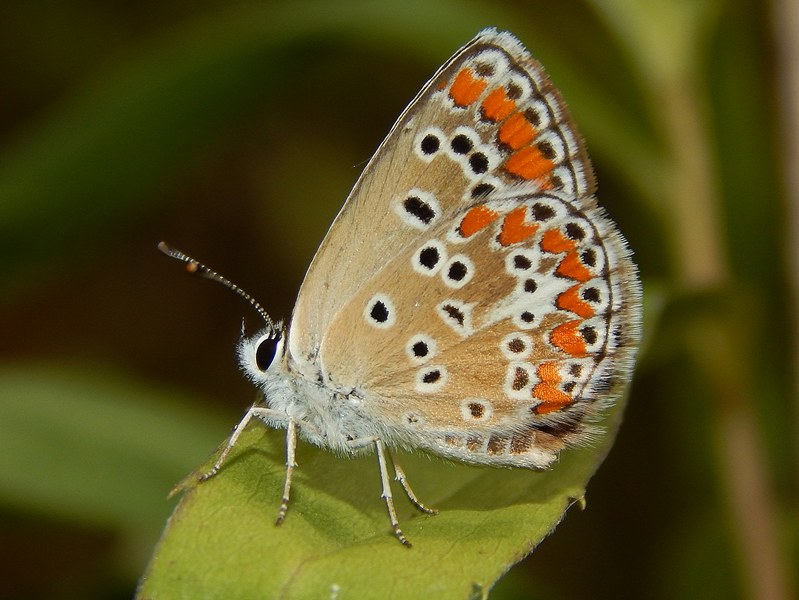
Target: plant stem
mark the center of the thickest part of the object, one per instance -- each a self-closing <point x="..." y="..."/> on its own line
<point x="786" y="33"/>
<point x="701" y="264"/>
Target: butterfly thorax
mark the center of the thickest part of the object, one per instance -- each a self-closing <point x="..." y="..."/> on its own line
<point x="327" y="415"/>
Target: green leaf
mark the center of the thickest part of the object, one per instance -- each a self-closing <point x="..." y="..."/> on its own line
<point x="336" y="542"/>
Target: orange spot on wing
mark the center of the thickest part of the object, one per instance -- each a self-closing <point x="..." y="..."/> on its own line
<point x="476" y="219"/>
<point x="466" y="88"/>
<point x="566" y="337"/>
<point x="547" y="391"/>
<point x="548" y="407"/>
<point x="572" y="267"/>
<point x="515" y="228"/>
<point x="497" y="105"/>
<point x="570" y="300"/>
<point x="548" y="373"/>
<point x="528" y="163"/>
<point x="555" y="242"/>
<point x="516" y="131"/>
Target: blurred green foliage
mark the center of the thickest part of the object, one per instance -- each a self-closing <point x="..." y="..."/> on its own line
<point x="125" y="123"/>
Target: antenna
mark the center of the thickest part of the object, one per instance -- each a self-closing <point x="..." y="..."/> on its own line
<point x="195" y="267"/>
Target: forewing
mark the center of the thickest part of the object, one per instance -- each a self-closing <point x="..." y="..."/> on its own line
<point x="488" y="121"/>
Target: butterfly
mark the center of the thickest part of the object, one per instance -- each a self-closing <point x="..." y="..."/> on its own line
<point x="471" y="300"/>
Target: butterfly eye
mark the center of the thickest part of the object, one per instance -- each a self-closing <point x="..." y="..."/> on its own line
<point x="265" y="350"/>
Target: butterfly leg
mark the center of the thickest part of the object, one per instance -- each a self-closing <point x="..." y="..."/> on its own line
<point x="237" y="430"/>
<point x="258" y="412"/>
<point x="384" y="480"/>
<point x="269" y="417"/>
<point x="291" y="447"/>
<point x="399" y="475"/>
<point x="387" y="495"/>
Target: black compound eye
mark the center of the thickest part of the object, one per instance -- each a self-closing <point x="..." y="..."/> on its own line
<point x="265" y="351"/>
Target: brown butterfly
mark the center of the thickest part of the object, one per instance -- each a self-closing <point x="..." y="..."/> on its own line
<point x="471" y="299"/>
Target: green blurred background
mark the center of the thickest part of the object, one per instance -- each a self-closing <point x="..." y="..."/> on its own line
<point x="235" y="130"/>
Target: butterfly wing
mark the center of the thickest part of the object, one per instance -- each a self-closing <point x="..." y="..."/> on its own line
<point x="470" y="290"/>
<point x="516" y="103"/>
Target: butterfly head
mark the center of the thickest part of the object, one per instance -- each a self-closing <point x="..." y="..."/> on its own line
<point x="259" y="353"/>
<point x="263" y="352"/>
